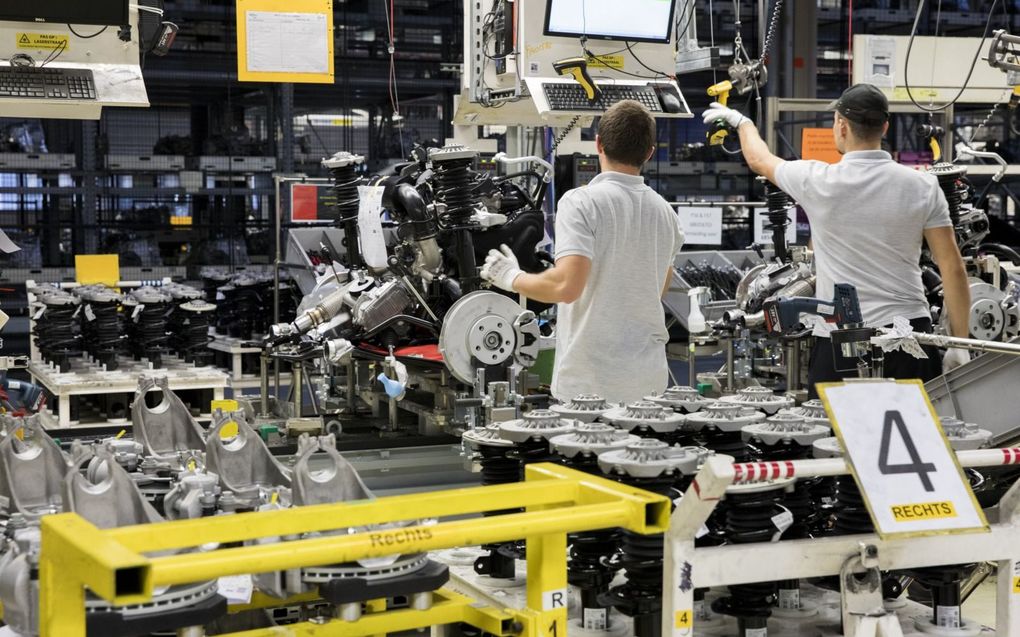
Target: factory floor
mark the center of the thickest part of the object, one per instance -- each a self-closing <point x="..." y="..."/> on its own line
<point x="980" y="606"/>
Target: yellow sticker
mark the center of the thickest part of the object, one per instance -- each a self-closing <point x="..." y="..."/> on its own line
<point x="605" y="61"/>
<point x="900" y="93"/>
<point x="683" y="619"/>
<point x="39" y="41"/>
<point x="923" y="511"/>
<point x="1016" y="585"/>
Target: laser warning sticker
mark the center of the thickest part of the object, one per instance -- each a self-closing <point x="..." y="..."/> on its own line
<point x="43" y="41"/>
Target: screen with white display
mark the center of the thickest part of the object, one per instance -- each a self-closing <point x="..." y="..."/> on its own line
<point x="630" y="20"/>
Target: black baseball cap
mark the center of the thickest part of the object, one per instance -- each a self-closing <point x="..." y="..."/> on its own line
<point x="862" y="103"/>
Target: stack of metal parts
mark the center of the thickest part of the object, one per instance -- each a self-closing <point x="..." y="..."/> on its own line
<point x="57" y="329"/>
<point x="175" y="470"/>
<point x="761" y="398"/>
<point x="585" y="408"/>
<point x="188" y="322"/>
<point x="37" y="478"/>
<point x="102" y="325"/>
<point x="244" y="304"/>
<point x="720" y="426"/>
<point x="146" y="310"/>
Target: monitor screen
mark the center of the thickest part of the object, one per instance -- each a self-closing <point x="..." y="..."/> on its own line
<point x="98" y="12"/>
<point x="633" y="20"/>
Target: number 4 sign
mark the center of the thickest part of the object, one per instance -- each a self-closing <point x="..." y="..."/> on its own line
<point x="908" y="474"/>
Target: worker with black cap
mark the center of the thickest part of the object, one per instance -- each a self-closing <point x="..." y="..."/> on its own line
<point x="869" y="217"/>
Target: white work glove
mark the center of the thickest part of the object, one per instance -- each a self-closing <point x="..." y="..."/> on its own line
<point x="501" y="268"/>
<point x="716" y="111"/>
<point x="954" y="358"/>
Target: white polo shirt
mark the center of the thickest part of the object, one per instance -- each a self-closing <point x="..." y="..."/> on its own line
<point x="612" y="340"/>
<point x="868" y="215"/>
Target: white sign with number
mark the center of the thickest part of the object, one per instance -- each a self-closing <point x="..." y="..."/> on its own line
<point x="702" y="225"/>
<point x="910" y="477"/>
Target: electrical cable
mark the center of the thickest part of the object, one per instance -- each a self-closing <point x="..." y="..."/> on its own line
<point x="87" y="37"/>
<point x="645" y="66"/>
<point x="963" y="87"/>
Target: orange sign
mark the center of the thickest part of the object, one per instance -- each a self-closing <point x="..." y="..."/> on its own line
<point x="818" y="143"/>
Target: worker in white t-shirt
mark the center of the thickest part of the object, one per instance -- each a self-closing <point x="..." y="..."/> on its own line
<point x="869" y="217"/>
<point x="616" y="239"/>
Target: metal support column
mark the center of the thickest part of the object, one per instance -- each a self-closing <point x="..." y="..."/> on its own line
<point x="286" y="151"/>
<point x="89" y="243"/>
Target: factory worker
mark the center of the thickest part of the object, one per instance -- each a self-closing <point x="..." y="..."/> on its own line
<point x="616" y="239"/>
<point x="869" y="217"/>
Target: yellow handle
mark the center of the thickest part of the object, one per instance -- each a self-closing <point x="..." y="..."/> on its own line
<point x="582" y="79"/>
<point x="936" y="150"/>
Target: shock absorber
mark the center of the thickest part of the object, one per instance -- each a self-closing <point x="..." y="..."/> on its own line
<point x="753" y="514"/>
<point x="761" y="398"/>
<point x="787" y="436"/>
<point x="949" y="177"/>
<point x="584" y="407"/>
<point x="343" y="168"/>
<point x="57" y="331"/>
<point x="778" y="203"/>
<point x="212" y="280"/>
<point x="944" y="583"/>
<point x="457" y="200"/>
<point x="189" y="327"/>
<point x="719" y="427"/>
<point x="102" y="328"/>
<point x="646" y="419"/>
<point x="146" y="309"/>
<point x="589" y="567"/>
<point x="655" y="466"/>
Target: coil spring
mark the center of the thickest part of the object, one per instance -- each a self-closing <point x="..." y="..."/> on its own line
<point x="851" y="513"/>
<point x="453" y="188"/>
<point x="801" y="500"/>
<point x="58" y="336"/>
<point x="748" y="520"/>
<point x="944" y="583"/>
<point x="148" y="333"/>
<point x="345" y="185"/>
<point x="726" y="442"/>
<point x="641" y="560"/>
<point x="190" y="335"/>
<point x="104" y="335"/>
<point x="778" y="203"/>
<point x="531" y="451"/>
<point x="953" y="191"/>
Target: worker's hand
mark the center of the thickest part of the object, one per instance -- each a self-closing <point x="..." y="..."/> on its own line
<point x="954" y="358"/>
<point x="501" y="268"/>
<point x="717" y="111"/>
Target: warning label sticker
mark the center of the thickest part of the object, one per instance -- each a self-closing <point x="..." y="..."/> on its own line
<point x="608" y="61"/>
<point x="43" y="41"/>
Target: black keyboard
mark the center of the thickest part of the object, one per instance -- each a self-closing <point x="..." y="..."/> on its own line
<point x="571" y="97"/>
<point x="45" y="82"/>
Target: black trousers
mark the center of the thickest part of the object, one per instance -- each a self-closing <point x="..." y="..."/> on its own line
<point x="898" y="364"/>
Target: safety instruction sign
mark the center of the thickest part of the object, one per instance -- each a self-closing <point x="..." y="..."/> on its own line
<point x="909" y="475"/>
<point x="43" y="41"/>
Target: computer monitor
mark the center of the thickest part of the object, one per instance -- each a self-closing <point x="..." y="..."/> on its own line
<point x="627" y="20"/>
<point x="98" y="12"/>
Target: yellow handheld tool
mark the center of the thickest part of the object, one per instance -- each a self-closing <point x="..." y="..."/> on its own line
<point x="578" y="68"/>
<point x="718" y="131"/>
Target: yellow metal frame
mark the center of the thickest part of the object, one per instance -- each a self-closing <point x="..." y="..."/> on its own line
<point x="116" y="565"/>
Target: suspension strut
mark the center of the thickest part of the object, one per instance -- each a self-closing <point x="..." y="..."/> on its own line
<point x="655" y="466"/>
<point x="454" y="191"/>
<point x="590" y="567"/>
<point x="788" y="436"/>
<point x="343" y="168"/>
<point x="778" y="203"/>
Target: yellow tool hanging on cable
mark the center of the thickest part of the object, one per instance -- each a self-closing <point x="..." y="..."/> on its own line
<point x="718" y="131"/>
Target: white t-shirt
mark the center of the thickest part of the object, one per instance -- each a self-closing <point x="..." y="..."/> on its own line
<point x="868" y="215"/>
<point x="612" y="340"/>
